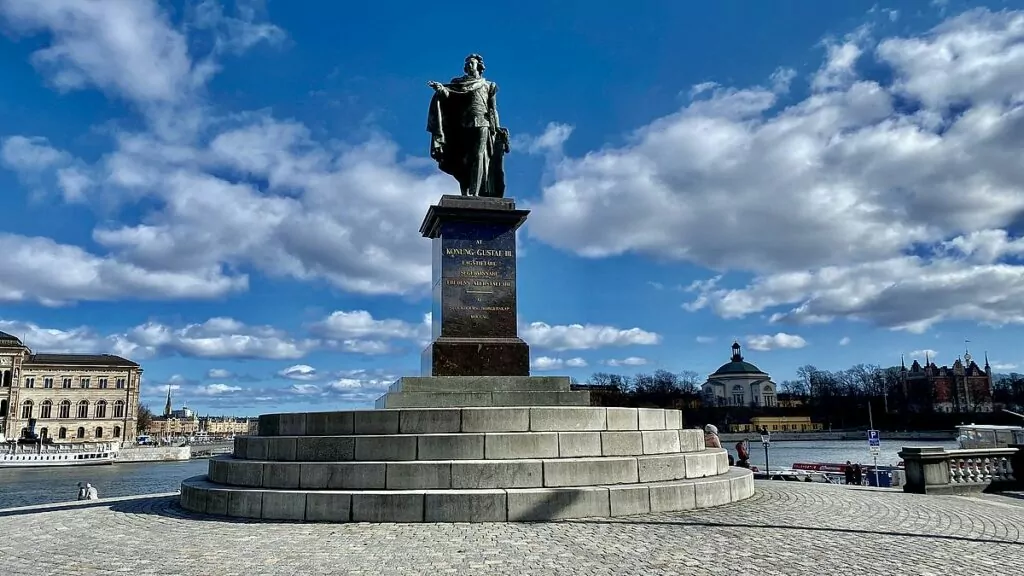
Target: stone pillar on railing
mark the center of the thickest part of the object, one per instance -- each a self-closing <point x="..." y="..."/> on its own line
<point x="1017" y="465"/>
<point x="927" y="469"/>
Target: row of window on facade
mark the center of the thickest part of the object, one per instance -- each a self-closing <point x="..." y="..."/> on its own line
<point x="62" y="433"/>
<point x="64" y="409"/>
<point x="66" y="381"/>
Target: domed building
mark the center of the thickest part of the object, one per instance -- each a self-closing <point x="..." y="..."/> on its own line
<point x="739" y="383"/>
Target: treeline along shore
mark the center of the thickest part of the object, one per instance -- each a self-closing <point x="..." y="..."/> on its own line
<point x="838" y="400"/>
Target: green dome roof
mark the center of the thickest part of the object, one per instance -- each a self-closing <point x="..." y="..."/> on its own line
<point x="737" y="365"/>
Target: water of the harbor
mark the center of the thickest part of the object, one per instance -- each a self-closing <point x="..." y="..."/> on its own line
<point x="28" y="486"/>
<point x="785" y="454"/>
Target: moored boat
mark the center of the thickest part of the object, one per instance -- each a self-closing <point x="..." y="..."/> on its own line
<point x="31" y="454"/>
<point x="975" y="436"/>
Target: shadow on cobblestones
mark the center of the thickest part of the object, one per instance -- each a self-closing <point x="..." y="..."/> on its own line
<point x="76" y="505"/>
<point x="831" y="530"/>
<point x="169" y="507"/>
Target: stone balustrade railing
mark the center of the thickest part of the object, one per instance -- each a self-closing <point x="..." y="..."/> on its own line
<point x="935" y="470"/>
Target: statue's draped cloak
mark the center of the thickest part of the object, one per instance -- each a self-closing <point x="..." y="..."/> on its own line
<point x="444" y="122"/>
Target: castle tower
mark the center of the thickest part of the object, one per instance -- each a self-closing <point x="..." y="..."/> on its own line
<point x="167" y="406"/>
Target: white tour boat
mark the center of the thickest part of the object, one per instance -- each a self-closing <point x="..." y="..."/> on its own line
<point x="38" y="454"/>
<point x="973" y="436"/>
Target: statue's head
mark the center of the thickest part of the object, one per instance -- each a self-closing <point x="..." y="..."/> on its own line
<point x="474" y="65"/>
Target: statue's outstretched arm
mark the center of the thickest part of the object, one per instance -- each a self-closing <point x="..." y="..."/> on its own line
<point x="439" y="88"/>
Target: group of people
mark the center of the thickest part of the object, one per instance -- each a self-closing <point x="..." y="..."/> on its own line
<point x="853" y="474"/>
<point x="87" y="491"/>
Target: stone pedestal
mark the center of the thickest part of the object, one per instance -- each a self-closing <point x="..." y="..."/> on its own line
<point x="927" y="469"/>
<point x="475" y="438"/>
<point x="454" y="391"/>
<point x="474" y="328"/>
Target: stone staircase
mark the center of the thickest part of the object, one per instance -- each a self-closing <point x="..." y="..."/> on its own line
<point x="469" y="464"/>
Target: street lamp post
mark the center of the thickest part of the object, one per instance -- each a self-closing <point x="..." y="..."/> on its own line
<point x="766" y="441"/>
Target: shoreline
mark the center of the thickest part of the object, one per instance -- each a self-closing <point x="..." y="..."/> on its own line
<point x="848" y="435"/>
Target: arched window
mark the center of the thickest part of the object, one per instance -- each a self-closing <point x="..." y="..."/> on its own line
<point x="65" y="409"/>
<point x="83" y="409"/>
<point x="46" y="409"/>
<point x="119" y="409"/>
<point x="62" y="433"/>
<point x="99" y="431"/>
<point x="101" y="409"/>
<point x="3" y="408"/>
<point x="26" y="409"/>
<point x="81" y="432"/>
<point x="44" y="432"/>
<point x="738" y="398"/>
<point x="117" y="431"/>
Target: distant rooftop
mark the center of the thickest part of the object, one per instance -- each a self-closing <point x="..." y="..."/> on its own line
<point x="78" y="360"/>
<point x="9" y="340"/>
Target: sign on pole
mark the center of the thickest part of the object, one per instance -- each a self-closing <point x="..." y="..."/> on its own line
<point x="874" y="442"/>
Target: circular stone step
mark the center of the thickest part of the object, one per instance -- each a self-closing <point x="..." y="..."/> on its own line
<point x="466" y="474"/>
<point x="467" y="445"/>
<point x="452" y="420"/>
<point x="198" y="494"/>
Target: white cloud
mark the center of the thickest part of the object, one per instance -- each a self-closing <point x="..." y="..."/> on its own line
<point x="26" y="274"/>
<point x="216" y="389"/>
<point x="1004" y="366"/>
<point x="236" y="33"/>
<point x="124" y="48"/>
<point x="764" y="342"/>
<point x="844" y="340"/>
<point x="922" y="354"/>
<point x="214" y="338"/>
<point x="630" y="361"/>
<point x="218" y="373"/>
<point x="585" y="337"/>
<point x="705" y="339"/>
<point x="548" y="142"/>
<point x="344" y="213"/>
<point x="360" y="324"/>
<point x="545" y="363"/>
<point x="304" y="389"/>
<point x="78" y="340"/>
<point x="30" y="154"/>
<point x="881" y="182"/>
<point x="299" y="372"/>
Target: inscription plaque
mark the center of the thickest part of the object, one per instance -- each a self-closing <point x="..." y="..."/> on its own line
<point x="474" y="321"/>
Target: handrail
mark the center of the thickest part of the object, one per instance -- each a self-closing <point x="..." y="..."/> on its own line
<point x="938" y="470"/>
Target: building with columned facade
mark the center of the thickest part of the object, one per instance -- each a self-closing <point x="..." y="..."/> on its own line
<point x="739" y="383"/>
<point x="68" y="398"/>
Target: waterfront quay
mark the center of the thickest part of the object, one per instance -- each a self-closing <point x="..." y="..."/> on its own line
<point x="784" y="529"/>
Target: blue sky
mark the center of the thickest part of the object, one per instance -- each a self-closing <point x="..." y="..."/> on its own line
<point x="230" y="192"/>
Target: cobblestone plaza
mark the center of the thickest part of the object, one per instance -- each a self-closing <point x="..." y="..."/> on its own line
<point x="785" y="529"/>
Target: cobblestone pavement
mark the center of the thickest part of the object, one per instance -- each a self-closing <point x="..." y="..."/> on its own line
<point x="785" y="529"/>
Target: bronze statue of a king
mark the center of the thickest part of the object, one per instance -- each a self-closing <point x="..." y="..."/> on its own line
<point x="466" y="139"/>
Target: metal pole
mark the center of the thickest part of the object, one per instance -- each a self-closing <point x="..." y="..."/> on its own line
<point x="877" y="485"/>
<point x="768" y="475"/>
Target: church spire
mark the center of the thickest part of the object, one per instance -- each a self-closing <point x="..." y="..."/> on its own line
<point x="167" y="406"/>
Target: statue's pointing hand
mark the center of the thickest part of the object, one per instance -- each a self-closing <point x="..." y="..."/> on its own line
<point x="438" y="87"/>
